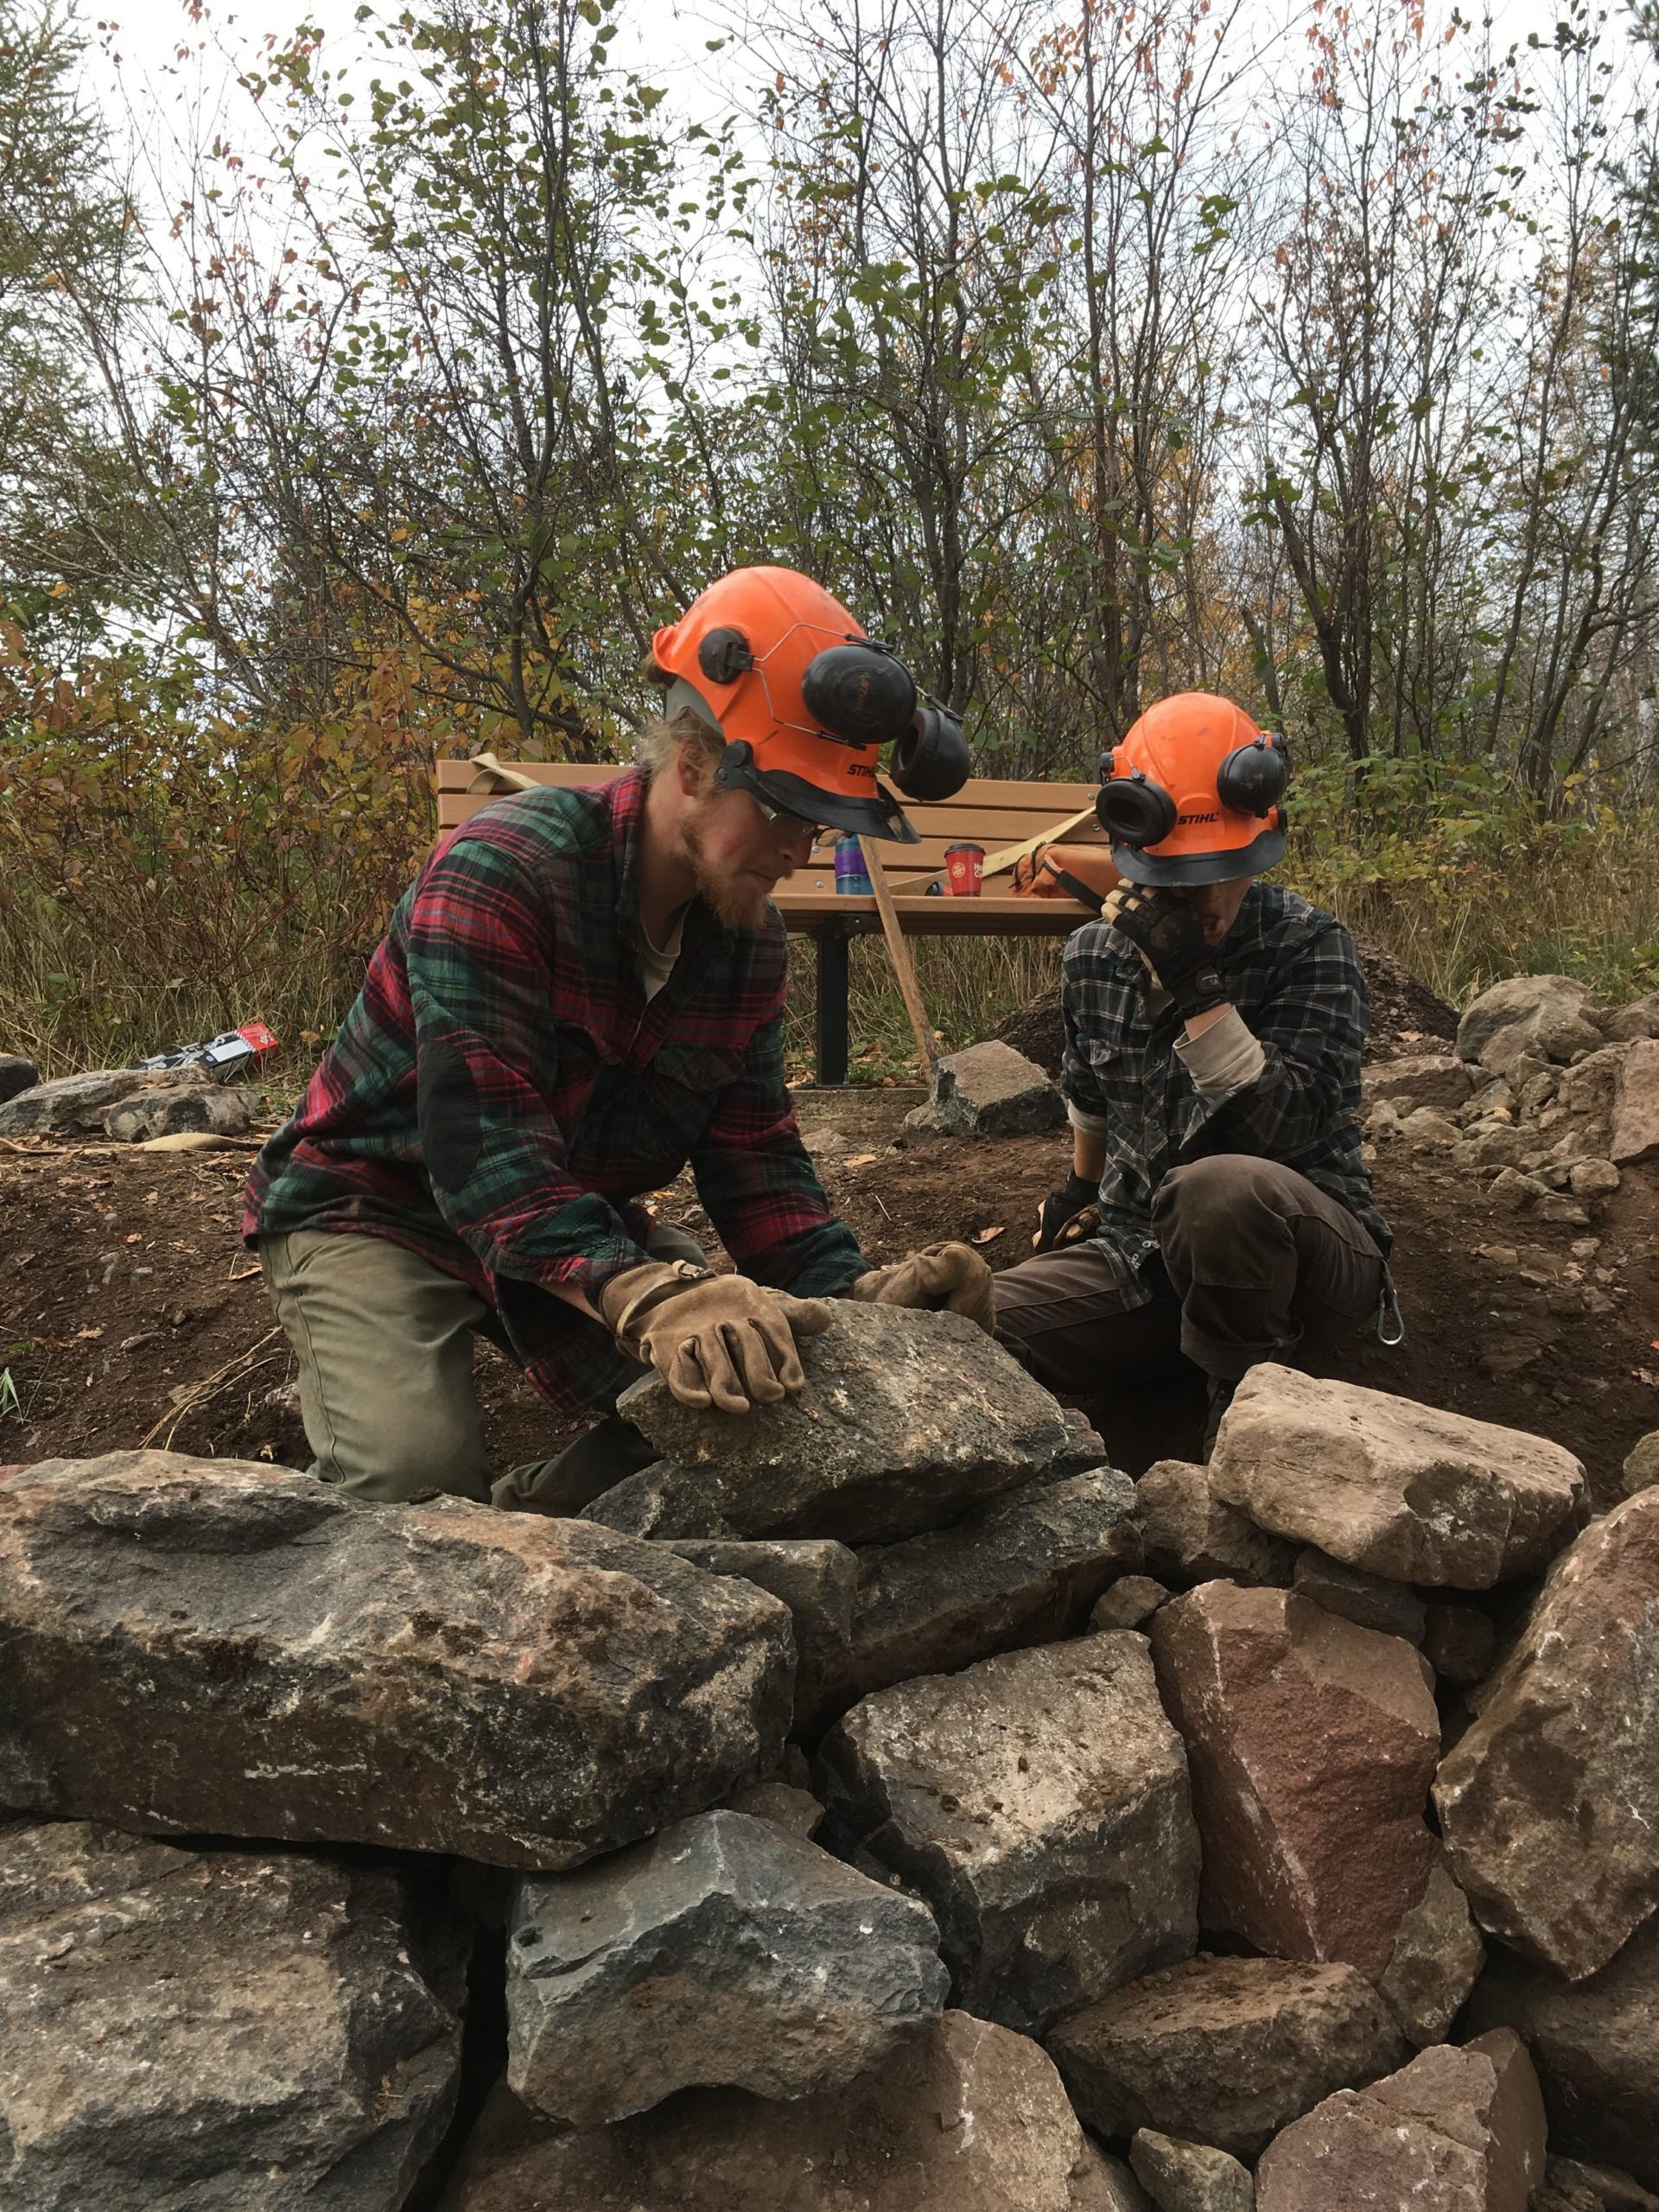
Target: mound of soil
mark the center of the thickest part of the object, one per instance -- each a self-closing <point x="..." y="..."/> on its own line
<point x="1405" y="1016"/>
<point x="129" y="1313"/>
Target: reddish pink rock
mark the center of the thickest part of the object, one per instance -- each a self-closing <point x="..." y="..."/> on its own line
<point x="1311" y="1742"/>
<point x="1456" y="2130"/>
<point x="1549" y="1802"/>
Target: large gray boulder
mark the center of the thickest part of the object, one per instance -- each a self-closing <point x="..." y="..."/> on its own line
<point x="266" y="2030"/>
<point x="1402" y="1489"/>
<point x="1595" y="2044"/>
<point x="722" y="1953"/>
<point x="1312" y="1743"/>
<point x="1023" y="1569"/>
<point x="206" y="1647"/>
<point x="1224" y="2050"/>
<point x="73" y="1105"/>
<point x="1545" y="1015"/>
<point x="1456" y="2130"/>
<point x="908" y="1420"/>
<point x="1038" y="1801"/>
<point x="1549" y="1802"/>
<point x="961" y="2117"/>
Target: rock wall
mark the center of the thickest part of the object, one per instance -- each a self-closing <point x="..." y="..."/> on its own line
<point x="902" y="1811"/>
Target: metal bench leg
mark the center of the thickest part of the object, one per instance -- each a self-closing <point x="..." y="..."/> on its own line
<point x="832" y="1045"/>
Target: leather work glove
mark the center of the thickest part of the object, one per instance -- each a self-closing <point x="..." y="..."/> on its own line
<point x="1169" y="938"/>
<point x="715" y="1340"/>
<point x="951" y="1275"/>
<point x="1068" y="1214"/>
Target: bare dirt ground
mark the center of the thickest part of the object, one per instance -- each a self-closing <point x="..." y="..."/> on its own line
<point x="130" y="1313"/>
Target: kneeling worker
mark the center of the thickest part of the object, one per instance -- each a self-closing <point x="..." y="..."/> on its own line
<point x="582" y="992"/>
<point x="1217" y="1202"/>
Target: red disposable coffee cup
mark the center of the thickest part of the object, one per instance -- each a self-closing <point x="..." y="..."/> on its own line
<point x="964" y="868"/>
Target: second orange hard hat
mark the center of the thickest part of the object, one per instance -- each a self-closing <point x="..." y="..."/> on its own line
<point x="1194" y="793"/>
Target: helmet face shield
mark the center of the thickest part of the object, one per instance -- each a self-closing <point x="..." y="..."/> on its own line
<point x="1194" y="794"/>
<point x="804" y="699"/>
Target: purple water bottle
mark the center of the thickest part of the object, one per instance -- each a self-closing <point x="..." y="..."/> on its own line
<point x="852" y="877"/>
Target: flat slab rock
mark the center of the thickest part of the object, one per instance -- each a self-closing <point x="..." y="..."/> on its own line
<point x="908" y="1420"/>
<point x="1038" y="1801"/>
<point x="961" y="2117"/>
<point x="1404" y="1491"/>
<point x="1224" y="2050"/>
<point x="1456" y="2130"/>
<point x="1025" y="1568"/>
<point x="211" y="1648"/>
<point x="1549" y="1802"/>
<point x="1636" y="1106"/>
<point x="262" y="2030"/>
<point x="73" y="1105"/>
<point x="1313" y="1744"/>
<point x="1596" y="2046"/>
<point x="722" y="1953"/>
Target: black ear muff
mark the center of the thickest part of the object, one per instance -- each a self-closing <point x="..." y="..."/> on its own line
<point x="862" y="694"/>
<point x="724" y="655"/>
<point x="1251" y="779"/>
<point x="931" y="760"/>
<point x="1134" y="811"/>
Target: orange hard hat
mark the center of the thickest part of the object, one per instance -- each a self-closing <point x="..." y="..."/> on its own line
<point x="805" y="699"/>
<point x="1194" y="793"/>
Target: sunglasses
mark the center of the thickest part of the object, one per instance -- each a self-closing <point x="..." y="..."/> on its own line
<point x="791" y="825"/>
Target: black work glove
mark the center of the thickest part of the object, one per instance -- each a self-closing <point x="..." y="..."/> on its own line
<point x="1169" y="938"/>
<point x="1068" y="1214"/>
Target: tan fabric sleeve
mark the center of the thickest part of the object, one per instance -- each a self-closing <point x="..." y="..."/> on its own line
<point x="1226" y="1057"/>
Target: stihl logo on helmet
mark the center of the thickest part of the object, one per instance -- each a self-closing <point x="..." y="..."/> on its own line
<point x="805" y="700"/>
<point x="1194" y="793"/>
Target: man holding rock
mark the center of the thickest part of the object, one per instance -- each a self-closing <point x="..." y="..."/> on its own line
<point x="1217" y="1203"/>
<point x="583" y="993"/>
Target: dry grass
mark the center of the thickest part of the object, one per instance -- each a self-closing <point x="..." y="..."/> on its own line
<point x="104" y="981"/>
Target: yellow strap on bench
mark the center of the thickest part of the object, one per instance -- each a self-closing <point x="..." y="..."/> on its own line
<point x="495" y="776"/>
<point x="1006" y="858"/>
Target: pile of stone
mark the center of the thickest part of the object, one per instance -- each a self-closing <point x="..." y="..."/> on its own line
<point x="880" y="1803"/>
<point x="1548" y="1096"/>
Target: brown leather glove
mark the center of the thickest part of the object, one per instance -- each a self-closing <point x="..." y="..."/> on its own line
<point x="715" y="1340"/>
<point x="952" y="1275"/>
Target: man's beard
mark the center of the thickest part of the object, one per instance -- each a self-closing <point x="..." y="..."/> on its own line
<point x="736" y="904"/>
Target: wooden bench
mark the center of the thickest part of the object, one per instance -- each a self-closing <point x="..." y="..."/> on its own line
<point x="984" y="811"/>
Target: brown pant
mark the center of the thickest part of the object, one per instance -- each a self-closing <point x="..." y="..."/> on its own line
<point x="1255" y="1262"/>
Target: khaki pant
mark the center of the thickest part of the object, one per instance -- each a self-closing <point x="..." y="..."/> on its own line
<point x="384" y="1345"/>
<point x="1255" y="1262"/>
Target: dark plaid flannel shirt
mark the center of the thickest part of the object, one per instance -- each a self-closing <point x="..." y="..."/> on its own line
<point x="1293" y="974"/>
<point x="502" y="1088"/>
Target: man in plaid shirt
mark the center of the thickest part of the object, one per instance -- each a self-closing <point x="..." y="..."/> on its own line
<point x="1217" y="1204"/>
<point x="582" y="992"/>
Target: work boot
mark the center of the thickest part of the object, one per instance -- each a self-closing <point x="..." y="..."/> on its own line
<point x="1221" y="1396"/>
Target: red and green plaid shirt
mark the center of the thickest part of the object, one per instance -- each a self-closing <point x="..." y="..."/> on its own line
<point x="502" y="1089"/>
